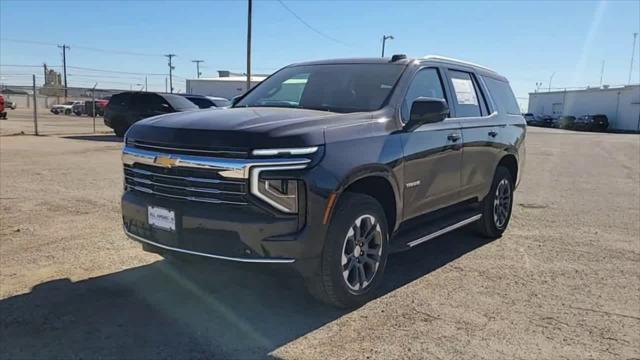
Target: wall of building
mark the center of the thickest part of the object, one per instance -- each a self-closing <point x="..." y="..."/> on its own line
<point x="219" y="88"/>
<point x="621" y="105"/>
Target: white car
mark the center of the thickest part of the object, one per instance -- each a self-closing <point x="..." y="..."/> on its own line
<point x="65" y="108"/>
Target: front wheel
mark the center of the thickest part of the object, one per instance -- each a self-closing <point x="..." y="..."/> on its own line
<point x="355" y="253"/>
<point x="496" y="206"/>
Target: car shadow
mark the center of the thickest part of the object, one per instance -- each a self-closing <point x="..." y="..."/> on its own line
<point x="104" y="137"/>
<point x="200" y="310"/>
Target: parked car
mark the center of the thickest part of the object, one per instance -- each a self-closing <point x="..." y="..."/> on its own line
<point x="207" y="102"/>
<point x="565" y="122"/>
<point x="127" y="108"/>
<point x="371" y="157"/>
<point x="101" y="104"/>
<point x="529" y="118"/>
<point x="3" y="112"/>
<point x="78" y="108"/>
<point x="65" y="108"/>
<point x="592" y="122"/>
<point x="547" y="121"/>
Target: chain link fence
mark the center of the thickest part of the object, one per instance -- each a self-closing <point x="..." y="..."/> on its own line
<point x="54" y="111"/>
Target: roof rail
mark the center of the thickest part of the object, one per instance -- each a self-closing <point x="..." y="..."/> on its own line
<point x="462" y="62"/>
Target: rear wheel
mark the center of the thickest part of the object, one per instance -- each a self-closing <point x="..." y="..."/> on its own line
<point x="355" y="253"/>
<point x="497" y="205"/>
<point x="120" y="130"/>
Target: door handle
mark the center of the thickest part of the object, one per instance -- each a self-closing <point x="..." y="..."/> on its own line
<point x="493" y="133"/>
<point x="453" y="137"/>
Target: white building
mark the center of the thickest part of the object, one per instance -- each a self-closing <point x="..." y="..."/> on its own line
<point x="227" y="85"/>
<point x="620" y="104"/>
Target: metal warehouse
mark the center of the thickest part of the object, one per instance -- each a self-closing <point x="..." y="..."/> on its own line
<point x="226" y="85"/>
<point x="620" y="104"/>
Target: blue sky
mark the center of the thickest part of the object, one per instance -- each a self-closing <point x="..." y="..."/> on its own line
<point x="526" y="41"/>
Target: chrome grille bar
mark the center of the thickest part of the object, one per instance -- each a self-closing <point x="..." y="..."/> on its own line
<point x="187" y="178"/>
<point x="187" y="188"/>
<point x="190" y="198"/>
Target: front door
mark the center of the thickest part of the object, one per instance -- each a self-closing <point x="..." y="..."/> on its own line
<point x="432" y="152"/>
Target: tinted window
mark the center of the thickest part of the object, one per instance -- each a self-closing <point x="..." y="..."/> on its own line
<point x="120" y="100"/>
<point x="426" y="83"/>
<point x="201" y="102"/>
<point x="221" y="102"/>
<point x="179" y="103"/>
<point x="332" y="87"/>
<point x="502" y="96"/>
<point x="148" y="103"/>
<point x="465" y="94"/>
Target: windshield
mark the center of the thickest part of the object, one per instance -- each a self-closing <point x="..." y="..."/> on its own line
<point x="331" y="87"/>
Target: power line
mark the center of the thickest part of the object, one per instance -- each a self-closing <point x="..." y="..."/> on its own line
<point x="311" y="27"/>
<point x="87" y="48"/>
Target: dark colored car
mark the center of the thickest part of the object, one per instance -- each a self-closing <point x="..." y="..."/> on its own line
<point x="208" y="102"/>
<point x="529" y="118"/>
<point x="565" y="122"/>
<point x="100" y="106"/>
<point x="129" y="107"/>
<point x="329" y="166"/>
<point x="547" y="121"/>
<point x="592" y="122"/>
<point x="78" y="108"/>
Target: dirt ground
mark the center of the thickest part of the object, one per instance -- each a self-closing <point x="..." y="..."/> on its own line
<point x="562" y="283"/>
<point x="20" y="121"/>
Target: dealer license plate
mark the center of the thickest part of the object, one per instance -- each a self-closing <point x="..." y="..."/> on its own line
<point x="161" y="218"/>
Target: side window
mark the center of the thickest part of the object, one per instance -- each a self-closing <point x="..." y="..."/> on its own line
<point x="502" y="96"/>
<point x="465" y="94"/>
<point x="426" y="83"/>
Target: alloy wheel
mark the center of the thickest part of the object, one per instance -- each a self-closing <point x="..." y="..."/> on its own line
<point x="502" y="203"/>
<point x="362" y="252"/>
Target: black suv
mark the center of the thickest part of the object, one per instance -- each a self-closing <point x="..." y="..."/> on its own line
<point x="124" y="109"/>
<point x="329" y="166"/>
<point x="208" y="102"/>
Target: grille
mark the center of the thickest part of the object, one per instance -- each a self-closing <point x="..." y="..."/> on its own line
<point x="199" y="151"/>
<point x="185" y="184"/>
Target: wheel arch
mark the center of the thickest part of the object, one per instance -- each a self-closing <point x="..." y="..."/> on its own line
<point x="380" y="183"/>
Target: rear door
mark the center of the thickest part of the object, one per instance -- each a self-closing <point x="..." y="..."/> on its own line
<point x="432" y="152"/>
<point x="481" y="129"/>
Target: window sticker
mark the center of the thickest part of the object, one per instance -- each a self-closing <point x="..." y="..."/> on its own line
<point x="465" y="94"/>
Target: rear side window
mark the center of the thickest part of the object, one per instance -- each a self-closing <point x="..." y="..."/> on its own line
<point x="466" y="97"/>
<point x="200" y="102"/>
<point x="426" y="83"/>
<point x="120" y="100"/>
<point x="179" y="103"/>
<point x="502" y="96"/>
<point x="148" y="102"/>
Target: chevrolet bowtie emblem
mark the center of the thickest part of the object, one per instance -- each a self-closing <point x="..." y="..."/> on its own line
<point x="165" y="161"/>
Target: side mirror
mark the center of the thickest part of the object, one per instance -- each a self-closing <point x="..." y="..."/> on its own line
<point x="425" y="110"/>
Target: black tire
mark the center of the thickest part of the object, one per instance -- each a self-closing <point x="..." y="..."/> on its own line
<point x="331" y="286"/>
<point x="489" y="225"/>
<point x="120" y="130"/>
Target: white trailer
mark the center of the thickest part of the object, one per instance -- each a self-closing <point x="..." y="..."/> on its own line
<point x="226" y="87"/>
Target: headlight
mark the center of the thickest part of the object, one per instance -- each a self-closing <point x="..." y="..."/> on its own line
<point x="282" y="194"/>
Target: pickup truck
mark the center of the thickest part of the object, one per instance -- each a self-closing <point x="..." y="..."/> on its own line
<point x="329" y="167"/>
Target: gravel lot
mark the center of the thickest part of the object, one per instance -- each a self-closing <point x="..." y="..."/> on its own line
<point x="20" y="121"/>
<point x="562" y="283"/>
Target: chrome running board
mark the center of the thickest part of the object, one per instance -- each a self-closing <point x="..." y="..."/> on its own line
<point x="444" y="230"/>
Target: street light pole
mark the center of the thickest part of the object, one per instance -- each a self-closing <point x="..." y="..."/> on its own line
<point x="197" y="67"/>
<point x="633" y="52"/>
<point x="249" y="8"/>
<point x="551" y="79"/>
<point x="384" y="41"/>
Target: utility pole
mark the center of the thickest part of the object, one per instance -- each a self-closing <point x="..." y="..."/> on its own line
<point x="146" y="88"/>
<point x="384" y="41"/>
<point x="601" y="73"/>
<point x="165" y="85"/>
<point x="551" y="79"/>
<point x="64" y="66"/>
<point x="170" y="56"/>
<point x="249" y="3"/>
<point x="633" y="52"/>
<point x="198" y="67"/>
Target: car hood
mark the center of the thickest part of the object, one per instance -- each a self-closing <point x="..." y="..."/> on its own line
<point x="241" y="128"/>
